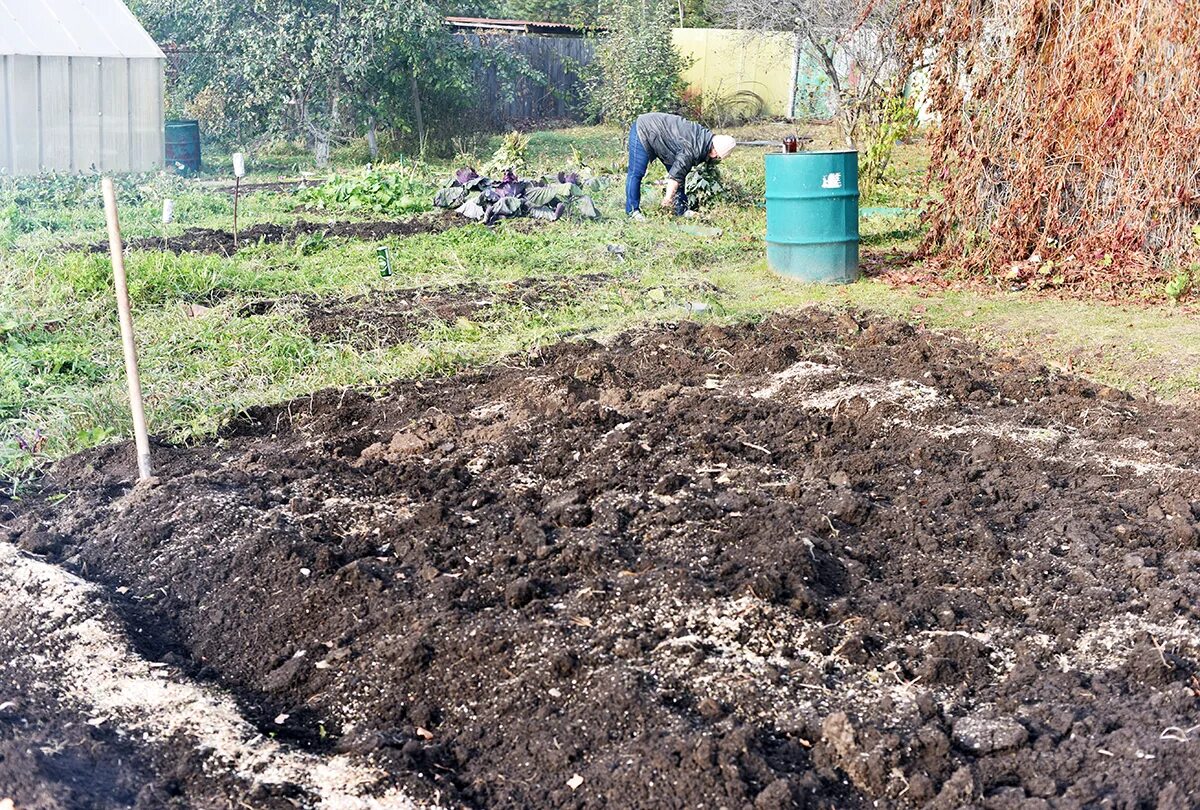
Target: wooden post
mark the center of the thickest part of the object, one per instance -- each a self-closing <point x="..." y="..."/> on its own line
<point x="239" y="171"/>
<point x="237" y="182"/>
<point x="117" y="251"/>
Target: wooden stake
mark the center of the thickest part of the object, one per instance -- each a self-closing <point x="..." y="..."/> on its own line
<point x="239" y="171"/>
<point x="237" y="182"/>
<point x="117" y="250"/>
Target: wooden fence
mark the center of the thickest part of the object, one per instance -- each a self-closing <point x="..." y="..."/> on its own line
<point x="557" y="93"/>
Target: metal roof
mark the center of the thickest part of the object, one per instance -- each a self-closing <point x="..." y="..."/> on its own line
<point x="520" y="26"/>
<point x="73" y="28"/>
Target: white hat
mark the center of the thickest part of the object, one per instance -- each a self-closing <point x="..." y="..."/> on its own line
<point x="723" y="145"/>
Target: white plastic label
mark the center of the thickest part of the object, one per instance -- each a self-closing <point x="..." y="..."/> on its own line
<point x="239" y="165"/>
<point x="833" y="180"/>
<point x="168" y="211"/>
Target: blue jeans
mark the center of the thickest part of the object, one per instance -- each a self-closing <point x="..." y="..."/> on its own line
<point x="639" y="162"/>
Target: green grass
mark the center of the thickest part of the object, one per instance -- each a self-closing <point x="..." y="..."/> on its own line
<point x="61" y="374"/>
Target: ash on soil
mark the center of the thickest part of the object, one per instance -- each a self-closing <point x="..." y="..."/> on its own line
<point x="823" y="561"/>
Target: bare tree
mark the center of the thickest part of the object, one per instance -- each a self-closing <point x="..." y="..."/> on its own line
<point x="855" y="43"/>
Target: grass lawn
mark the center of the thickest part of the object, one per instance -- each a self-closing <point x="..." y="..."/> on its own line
<point x="61" y="376"/>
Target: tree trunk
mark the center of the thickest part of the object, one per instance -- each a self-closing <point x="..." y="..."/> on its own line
<point x="420" y="118"/>
<point x="845" y="114"/>
<point x="320" y="147"/>
<point x="373" y="137"/>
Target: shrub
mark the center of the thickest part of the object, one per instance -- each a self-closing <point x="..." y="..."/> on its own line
<point x="637" y="68"/>
<point x="893" y="120"/>
<point x="208" y="108"/>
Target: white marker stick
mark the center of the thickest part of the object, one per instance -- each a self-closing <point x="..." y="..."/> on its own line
<point x="167" y="215"/>
<point x="117" y="251"/>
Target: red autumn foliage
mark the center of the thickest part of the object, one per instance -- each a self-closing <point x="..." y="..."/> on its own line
<point x="1069" y="132"/>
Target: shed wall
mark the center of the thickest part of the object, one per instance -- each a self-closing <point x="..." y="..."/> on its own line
<point x="725" y="61"/>
<point x="80" y="113"/>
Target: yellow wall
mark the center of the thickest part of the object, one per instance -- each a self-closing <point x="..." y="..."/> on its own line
<point x="726" y="61"/>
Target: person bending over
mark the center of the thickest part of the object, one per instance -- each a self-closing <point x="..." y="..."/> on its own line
<point x="681" y="145"/>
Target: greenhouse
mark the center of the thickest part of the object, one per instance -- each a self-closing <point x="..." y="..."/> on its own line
<point x="81" y="88"/>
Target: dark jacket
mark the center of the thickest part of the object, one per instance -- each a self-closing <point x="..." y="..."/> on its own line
<point x="677" y="142"/>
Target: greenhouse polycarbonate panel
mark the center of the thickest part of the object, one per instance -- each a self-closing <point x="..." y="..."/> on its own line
<point x="146" y="113"/>
<point x="23" y="114"/>
<point x="54" y="112"/>
<point x="73" y="28"/>
<point x="85" y="114"/>
<point x="115" y="137"/>
<point x="80" y="114"/>
<point x="5" y="118"/>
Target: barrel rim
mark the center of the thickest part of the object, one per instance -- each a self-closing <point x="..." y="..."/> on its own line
<point x="821" y="152"/>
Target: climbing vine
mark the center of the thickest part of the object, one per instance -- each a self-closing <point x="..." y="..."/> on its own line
<point x="1067" y="147"/>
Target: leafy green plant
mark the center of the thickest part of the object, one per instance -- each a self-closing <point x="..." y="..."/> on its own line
<point x="321" y="71"/>
<point x="637" y="68"/>
<point x="704" y="186"/>
<point x="732" y="184"/>
<point x="311" y="244"/>
<point x="510" y="156"/>
<point x="389" y="189"/>
<point x="1181" y="283"/>
<point x="893" y="119"/>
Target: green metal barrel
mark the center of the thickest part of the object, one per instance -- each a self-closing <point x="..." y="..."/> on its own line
<point x="182" y="140"/>
<point x="812" y="215"/>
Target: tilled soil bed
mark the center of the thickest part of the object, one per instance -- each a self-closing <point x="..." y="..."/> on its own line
<point x="213" y="240"/>
<point x="824" y="561"/>
<point x="384" y="318"/>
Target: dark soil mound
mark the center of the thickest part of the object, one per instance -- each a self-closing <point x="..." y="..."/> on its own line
<point x="818" y="562"/>
<point x="210" y="240"/>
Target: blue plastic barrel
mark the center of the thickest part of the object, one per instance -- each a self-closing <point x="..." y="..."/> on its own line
<point x="182" y="139"/>
<point x="812" y="215"/>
